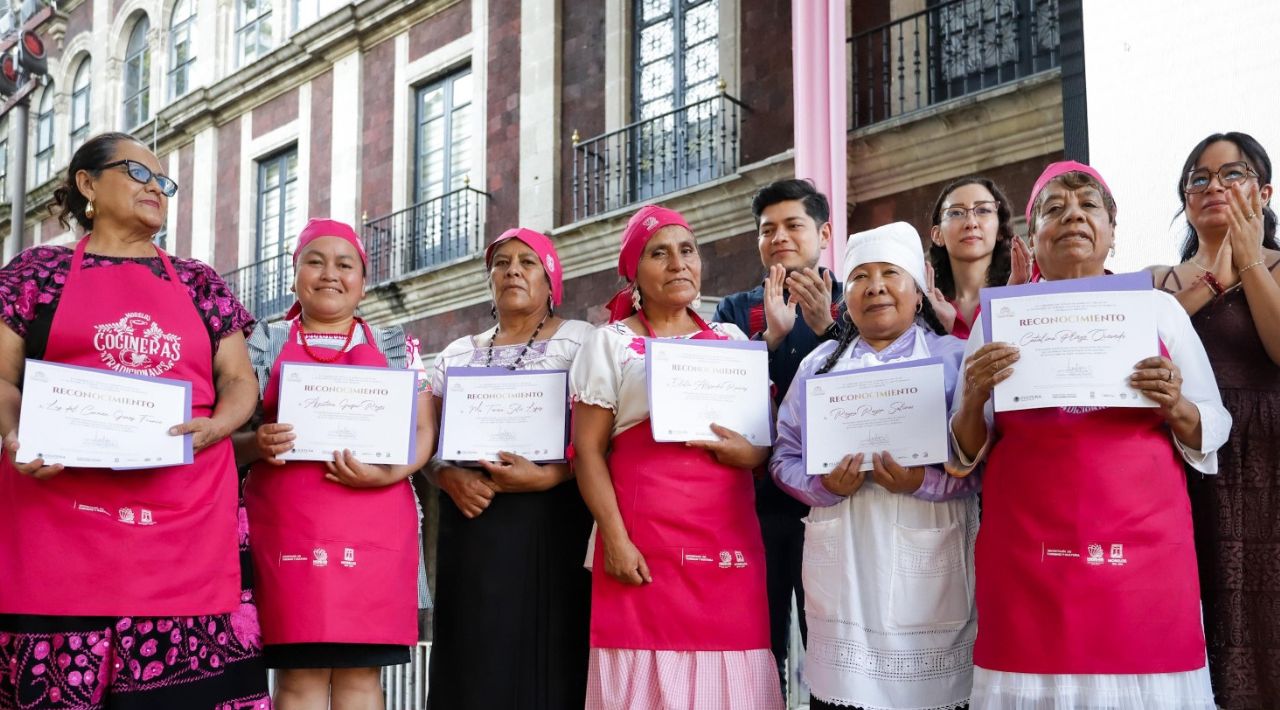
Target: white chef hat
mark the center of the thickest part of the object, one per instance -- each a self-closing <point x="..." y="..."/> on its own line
<point x="897" y="243"/>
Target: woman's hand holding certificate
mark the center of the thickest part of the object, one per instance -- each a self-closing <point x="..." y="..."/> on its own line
<point x="695" y="383"/>
<point x="488" y="412"/>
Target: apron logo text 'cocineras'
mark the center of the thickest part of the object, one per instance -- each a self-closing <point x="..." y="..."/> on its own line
<point x="137" y="345"/>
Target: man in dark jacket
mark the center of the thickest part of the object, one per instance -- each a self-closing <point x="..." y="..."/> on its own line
<point x="793" y="311"/>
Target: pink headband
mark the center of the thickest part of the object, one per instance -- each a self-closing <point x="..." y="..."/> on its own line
<point x="315" y="229"/>
<point x="640" y="229"/>
<point x="542" y="246"/>
<point x="642" y="226"/>
<point x="1056" y="170"/>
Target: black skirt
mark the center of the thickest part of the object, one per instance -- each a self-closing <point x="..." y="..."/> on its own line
<point x="512" y="604"/>
<point x="334" y="655"/>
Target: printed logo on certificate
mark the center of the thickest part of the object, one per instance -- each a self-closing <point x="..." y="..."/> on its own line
<point x="695" y="383"/>
<point x="491" y="409"/>
<point x="91" y="418"/>
<point x="1079" y="340"/>
<point x="900" y="408"/>
<point x="372" y="411"/>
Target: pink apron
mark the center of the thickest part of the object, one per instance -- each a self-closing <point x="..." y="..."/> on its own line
<point x="1085" y="560"/>
<point x="331" y="563"/>
<point x="694" y="521"/>
<point x="97" y="542"/>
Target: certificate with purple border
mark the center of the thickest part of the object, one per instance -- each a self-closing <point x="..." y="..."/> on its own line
<point x="900" y="408"/>
<point x="491" y="409"/>
<point x="91" y="418"/>
<point x="370" y="410"/>
<point x="1079" y="340"/>
<point x="694" y="383"/>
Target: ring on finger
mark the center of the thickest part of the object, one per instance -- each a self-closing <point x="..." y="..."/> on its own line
<point x="1251" y="216"/>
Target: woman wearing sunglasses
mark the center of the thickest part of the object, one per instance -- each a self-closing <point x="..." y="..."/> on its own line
<point x="1227" y="281"/>
<point x="123" y="588"/>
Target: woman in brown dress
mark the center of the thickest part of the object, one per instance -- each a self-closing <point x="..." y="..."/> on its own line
<point x="1227" y="281"/>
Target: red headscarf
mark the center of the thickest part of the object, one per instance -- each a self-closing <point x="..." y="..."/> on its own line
<point x="315" y="229"/>
<point x="1055" y="170"/>
<point x="546" y="251"/>
<point x="643" y="225"/>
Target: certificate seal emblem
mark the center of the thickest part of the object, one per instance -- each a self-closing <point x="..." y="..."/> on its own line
<point x="137" y="345"/>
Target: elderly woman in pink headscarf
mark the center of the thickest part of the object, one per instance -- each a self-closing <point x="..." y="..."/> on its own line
<point x="335" y="543"/>
<point x="679" y="614"/>
<point x="511" y="595"/>
<point x="1087" y="590"/>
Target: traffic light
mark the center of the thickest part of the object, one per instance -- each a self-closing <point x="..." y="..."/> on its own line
<point x="31" y="54"/>
<point x="9" y="77"/>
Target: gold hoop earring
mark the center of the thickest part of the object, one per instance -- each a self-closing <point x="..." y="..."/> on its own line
<point x="90" y="210"/>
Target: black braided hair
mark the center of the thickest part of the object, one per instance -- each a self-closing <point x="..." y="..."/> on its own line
<point x="927" y="317"/>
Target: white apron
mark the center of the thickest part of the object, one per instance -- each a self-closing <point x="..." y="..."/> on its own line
<point x="888" y="582"/>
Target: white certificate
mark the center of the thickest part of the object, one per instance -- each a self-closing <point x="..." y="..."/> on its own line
<point x="91" y="418"/>
<point x="899" y="408"/>
<point x="1079" y="340"/>
<point x="695" y="383"/>
<point x="492" y="409"/>
<point x="370" y="410"/>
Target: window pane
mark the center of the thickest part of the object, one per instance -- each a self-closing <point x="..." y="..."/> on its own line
<point x="432" y="103"/>
<point x="657" y="79"/>
<point x="656" y="41"/>
<point x="701" y="63"/>
<point x="701" y="23"/>
<point x="653" y="9"/>
<point x="462" y="90"/>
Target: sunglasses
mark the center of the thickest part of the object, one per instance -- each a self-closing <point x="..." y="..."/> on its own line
<point x="141" y="173"/>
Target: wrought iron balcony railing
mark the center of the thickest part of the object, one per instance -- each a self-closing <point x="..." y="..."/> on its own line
<point x="263" y="286"/>
<point x="952" y="49"/>
<point x="656" y="156"/>
<point x="425" y="235"/>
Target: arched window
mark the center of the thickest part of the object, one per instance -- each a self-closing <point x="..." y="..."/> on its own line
<point x="44" y="136"/>
<point x="182" y="57"/>
<point x="137" y="76"/>
<point x="80" y="105"/>
<point x="253" y="30"/>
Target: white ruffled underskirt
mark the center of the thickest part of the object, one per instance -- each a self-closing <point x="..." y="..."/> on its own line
<point x="998" y="690"/>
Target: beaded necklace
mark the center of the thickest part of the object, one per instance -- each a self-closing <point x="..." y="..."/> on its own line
<point x="306" y="348"/>
<point x="488" y="361"/>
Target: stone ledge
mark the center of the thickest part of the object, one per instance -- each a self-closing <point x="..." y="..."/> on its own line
<point x="1006" y="124"/>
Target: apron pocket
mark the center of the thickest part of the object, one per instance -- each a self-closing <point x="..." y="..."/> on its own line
<point x="929" y="585"/>
<point x="821" y="571"/>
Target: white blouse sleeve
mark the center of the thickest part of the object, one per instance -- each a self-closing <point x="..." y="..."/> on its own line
<point x="595" y="376"/>
<point x="1198" y="384"/>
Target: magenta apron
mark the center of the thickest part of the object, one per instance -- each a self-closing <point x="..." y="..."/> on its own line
<point x="331" y="563"/>
<point x="1085" y="561"/>
<point x="153" y="542"/>
<point x="694" y="520"/>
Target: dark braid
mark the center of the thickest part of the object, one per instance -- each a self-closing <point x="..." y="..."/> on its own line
<point x="850" y="331"/>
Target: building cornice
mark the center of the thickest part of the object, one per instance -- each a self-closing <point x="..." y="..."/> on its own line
<point x="1006" y="124"/>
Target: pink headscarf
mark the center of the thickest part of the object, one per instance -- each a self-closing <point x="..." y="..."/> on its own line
<point x="640" y="229"/>
<point x="315" y="229"/>
<point x="542" y="246"/>
<point x="1054" y="170"/>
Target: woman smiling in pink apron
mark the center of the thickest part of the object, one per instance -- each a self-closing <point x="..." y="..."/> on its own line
<point x="1069" y="631"/>
<point x="335" y="543"/>
<point x="123" y="588"/>
<point x="668" y="630"/>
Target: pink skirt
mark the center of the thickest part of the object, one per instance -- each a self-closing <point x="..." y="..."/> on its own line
<point x="627" y="679"/>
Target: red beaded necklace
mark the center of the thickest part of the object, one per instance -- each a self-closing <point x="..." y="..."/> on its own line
<point x="306" y="348"/>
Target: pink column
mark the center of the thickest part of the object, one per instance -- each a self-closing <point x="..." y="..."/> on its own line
<point x="818" y="77"/>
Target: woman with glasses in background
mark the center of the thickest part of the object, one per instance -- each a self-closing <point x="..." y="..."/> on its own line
<point x="123" y="588"/>
<point x="973" y="247"/>
<point x="1227" y="281"/>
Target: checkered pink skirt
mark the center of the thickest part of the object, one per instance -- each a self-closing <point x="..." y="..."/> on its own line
<point x="626" y="679"/>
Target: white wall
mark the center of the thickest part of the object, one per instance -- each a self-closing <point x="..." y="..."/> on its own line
<point x="1162" y="75"/>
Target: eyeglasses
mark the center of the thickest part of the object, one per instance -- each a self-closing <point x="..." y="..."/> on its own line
<point x="1229" y="174"/>
<point x="141" y="173"/>
<point x="981" y="210"/>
